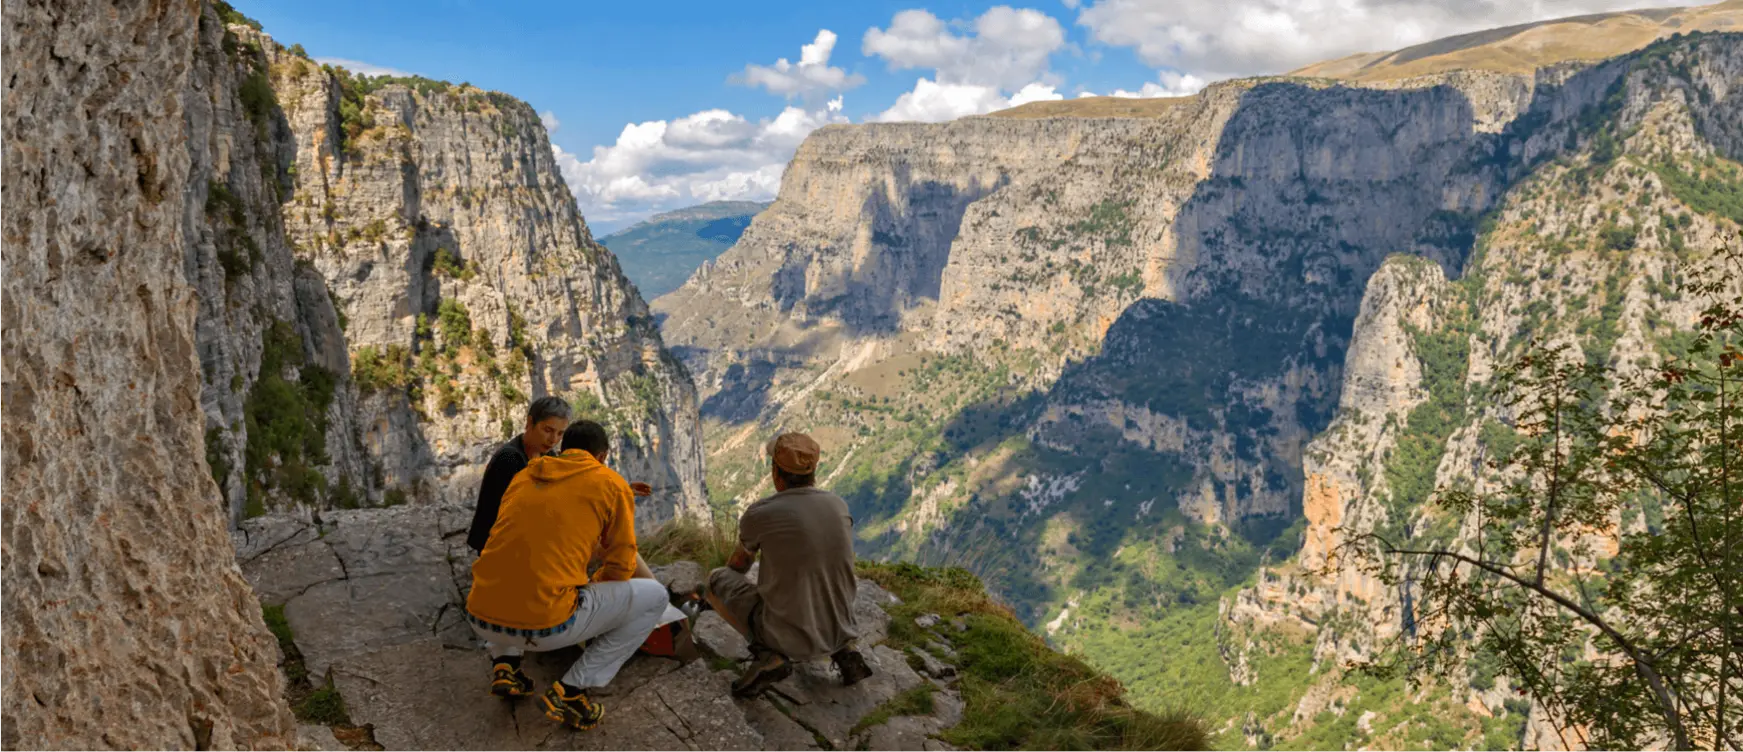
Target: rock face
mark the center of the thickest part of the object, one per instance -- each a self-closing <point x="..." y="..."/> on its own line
<point x="1581" y="251"/>
<point x="127" y="623"/>
<point x="376" y="599"/>
<point x="387" y="273"/>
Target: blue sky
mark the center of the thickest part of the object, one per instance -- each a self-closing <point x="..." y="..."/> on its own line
<point x="655" y="107"/>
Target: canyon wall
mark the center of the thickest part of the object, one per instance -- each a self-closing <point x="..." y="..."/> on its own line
<point x="1137" y="371"/>
<point x="388" y="271"/>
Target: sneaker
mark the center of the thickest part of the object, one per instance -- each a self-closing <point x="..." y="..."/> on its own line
<point x="852" y="666"/>
<point x="508" y="681"/>
<point x="766" y="668"/>
<point x="577" y="711"/>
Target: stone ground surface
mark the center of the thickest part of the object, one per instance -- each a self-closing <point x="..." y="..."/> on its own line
<point x="376" y="601"/>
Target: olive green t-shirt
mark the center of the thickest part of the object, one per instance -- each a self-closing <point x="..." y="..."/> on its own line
<point x="807" y="584"/>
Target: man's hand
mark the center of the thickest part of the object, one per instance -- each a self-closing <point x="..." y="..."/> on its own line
<point x="641" y="489"/>
<point x="741" y="560"/>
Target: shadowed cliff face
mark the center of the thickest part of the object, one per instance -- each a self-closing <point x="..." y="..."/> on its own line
<point x="1107" y="408"/>
<point x="387" y="274"/>
<point x="127" y="623"/>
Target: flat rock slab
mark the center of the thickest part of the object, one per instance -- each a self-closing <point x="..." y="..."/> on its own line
<point x="716" y="636"/>
<point x="376" y="598"/>
<point x="690" y="708"/>
<point x="819" y="702"/>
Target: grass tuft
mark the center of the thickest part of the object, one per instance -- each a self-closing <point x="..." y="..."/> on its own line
<point x="692" y="540"/>
<point x="915" y="701"/>
<point x="1020" y="693"/>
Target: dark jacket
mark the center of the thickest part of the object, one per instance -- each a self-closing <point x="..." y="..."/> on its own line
<point x="509" y="459"/>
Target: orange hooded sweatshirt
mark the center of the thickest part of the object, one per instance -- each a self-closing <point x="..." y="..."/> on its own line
<point x="554" y="515"/>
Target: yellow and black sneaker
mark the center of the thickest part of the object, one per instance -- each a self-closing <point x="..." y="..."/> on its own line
<point x="509" y="681"/>
<point x="577" y="711"/>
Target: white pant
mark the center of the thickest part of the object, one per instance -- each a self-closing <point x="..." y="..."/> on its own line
<point x="616" y="616"/>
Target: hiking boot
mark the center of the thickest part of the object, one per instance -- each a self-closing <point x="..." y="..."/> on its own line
<point x="852" y="666"/>
<point x="509" y="681"/>
<point x="577" y="711"/>
<point x="766" y="668"/>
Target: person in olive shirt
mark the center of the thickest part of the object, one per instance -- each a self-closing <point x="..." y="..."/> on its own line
<point x="801" y="606"/>
<point x="546" y="419"/>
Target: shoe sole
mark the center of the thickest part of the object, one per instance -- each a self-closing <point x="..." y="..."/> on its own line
<point x="509" y="692"/>
<point x="763" y="681"/>
<point x="561" y="715"/>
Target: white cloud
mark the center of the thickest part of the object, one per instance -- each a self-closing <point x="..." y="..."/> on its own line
<point x="1171" y="85"/>
<point x="362" y="68"/>
<point x="1219" y="38"/>
<point x="1007" y="48"/>
<point x="711" y="155"/>
<point x="812" y="77"/>
<point x="550" y="121"/>
<point x="1001" y="61"/>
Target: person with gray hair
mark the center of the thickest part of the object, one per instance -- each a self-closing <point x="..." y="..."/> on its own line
<point x="546" y="419"/>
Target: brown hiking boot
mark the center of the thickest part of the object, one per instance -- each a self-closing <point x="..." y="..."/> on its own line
<point x="766" y="668"/>
<point x="852" y="666"/>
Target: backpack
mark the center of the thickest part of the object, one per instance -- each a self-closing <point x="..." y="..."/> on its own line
<point x="671" y="638"/>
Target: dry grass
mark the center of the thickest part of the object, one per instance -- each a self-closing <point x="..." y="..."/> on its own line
<point x="1527" y="47"/>
<point x="707" y="543"/>
<point x="1095" y="107"/>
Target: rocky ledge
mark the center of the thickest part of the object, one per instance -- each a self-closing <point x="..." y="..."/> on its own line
<point x="373" y="600"/>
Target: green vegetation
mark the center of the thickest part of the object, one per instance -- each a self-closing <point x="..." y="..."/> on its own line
<point x="216" y="458"/>
<point x="323" y="705"/>
<point x="915" y="701"/>
<point x="448" y="264"/>
<point x="286" y="422"/>
<point x="1019" y="693"/>
<point x="1666" y="611"/>
<point x="258" y="99"/>
<point x="1713" y="186"/>
<point x="381" y="369"/>
<point x="230" y="15"/>
<point x="455" y="324"/>
<point x="1107" y="220"/>
<point x="1410" y="467"/>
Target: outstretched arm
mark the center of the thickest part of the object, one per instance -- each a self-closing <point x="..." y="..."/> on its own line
<point x="741" y="559"/>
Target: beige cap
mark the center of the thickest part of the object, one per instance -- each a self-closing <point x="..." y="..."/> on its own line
<point x="795" y="453"/>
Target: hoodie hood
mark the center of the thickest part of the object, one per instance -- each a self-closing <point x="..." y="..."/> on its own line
<point x="570" y="463"/>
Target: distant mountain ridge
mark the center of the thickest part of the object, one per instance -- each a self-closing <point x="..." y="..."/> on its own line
<point x="660" y="252"/>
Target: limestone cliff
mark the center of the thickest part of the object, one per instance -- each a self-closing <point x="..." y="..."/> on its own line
<point x="127" y="621"/>
<point x="1584" y="251"/>
<point x="388" y="271"/>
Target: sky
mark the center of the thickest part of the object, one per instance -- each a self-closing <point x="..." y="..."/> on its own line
<point x="661" y="104"/>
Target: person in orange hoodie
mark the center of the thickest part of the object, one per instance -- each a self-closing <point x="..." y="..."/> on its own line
<point x="530" y="587"/>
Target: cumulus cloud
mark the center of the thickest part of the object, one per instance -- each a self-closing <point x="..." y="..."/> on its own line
<point x="1006" y="48"/>
<point x="550" y="121"/>
<point x="1169" y="84"/>
<point x="362" y="68"/>
<point x="713" y="155"/>
<point x="810" y="79"/>
<point x="1001" y="60"/>
<point x="1219" y="38"/>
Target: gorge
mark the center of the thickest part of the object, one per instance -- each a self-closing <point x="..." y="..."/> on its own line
<point x="1140" y="365"/>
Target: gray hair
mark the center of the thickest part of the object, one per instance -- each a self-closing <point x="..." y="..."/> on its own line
<point x="547" y="407"/>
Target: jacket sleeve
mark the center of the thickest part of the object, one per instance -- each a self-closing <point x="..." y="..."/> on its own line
<point x="618" y="539"/>
<point x="497" y="475"/>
